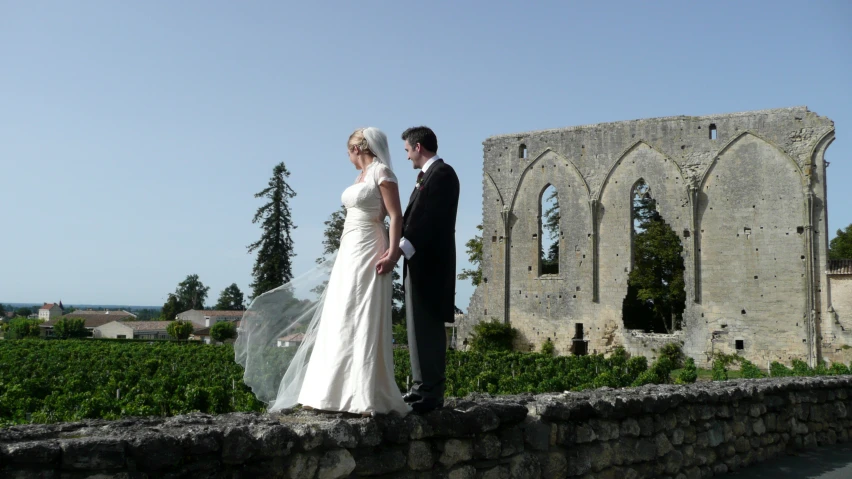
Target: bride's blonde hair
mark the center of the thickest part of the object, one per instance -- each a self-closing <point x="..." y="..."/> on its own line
<point x="357" y="139"/>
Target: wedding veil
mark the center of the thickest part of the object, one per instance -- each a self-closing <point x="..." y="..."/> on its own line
<point x="276" y="335"/>
<point x="378" y="143"/>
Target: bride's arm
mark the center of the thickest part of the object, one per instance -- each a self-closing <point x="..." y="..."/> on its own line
<point x="390" y="197"/>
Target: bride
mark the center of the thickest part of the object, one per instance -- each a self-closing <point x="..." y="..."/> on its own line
<point x="345" y="360"/>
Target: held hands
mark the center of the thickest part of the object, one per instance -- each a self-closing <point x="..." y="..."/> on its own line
<point x="388" y="260"/>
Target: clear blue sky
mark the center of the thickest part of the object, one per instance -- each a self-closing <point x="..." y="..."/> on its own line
<point x="133" y="135"/>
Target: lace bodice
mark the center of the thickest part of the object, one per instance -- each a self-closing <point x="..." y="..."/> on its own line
<point x="363" y="200"/>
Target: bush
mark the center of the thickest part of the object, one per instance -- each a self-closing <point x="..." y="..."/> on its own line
<point x="777" y="370"/>
<point x="223" y="330"/>
<point x="720" y="372"/>
<point x="21" y="328"/>
<point x="674" y="353"/>
<point x="70" y="328"/>
<point x="801" y="368"/>
<point x="492" y="336"/>
<point x="657" y="374"/>
<point x="180" y="330"/>
<point x="547" y="348"/>
<point x="749" y="370"/>
<point x="636" y="366"/>
<point x="689" y="373"/>
<point x="838" y="368"/>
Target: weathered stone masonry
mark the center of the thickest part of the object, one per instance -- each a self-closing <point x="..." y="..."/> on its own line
<point x="652" y="431"/>
<point x="745" y="192"/>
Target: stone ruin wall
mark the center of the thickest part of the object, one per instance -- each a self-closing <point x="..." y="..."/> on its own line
<point x="749" y="206"/>
<point x="676" y="432"/>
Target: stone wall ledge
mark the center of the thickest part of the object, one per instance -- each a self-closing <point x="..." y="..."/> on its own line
<point x="652" y="431"/>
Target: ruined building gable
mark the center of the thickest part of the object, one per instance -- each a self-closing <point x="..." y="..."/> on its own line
<point x="744" y="193"/>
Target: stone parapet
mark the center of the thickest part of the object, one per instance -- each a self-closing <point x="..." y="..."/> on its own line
<point x="652" y="431"/>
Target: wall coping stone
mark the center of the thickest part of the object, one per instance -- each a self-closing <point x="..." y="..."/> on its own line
<point x="534" y="433"/>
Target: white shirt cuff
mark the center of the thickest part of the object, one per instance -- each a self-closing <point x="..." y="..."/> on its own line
<point x="407" y="248"/>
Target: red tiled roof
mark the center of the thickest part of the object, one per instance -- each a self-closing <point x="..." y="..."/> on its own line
<point x="216" y="312"/>
<point x="147" y="325"/>
<point x="48" y="306"/>
<point x="89" y="322"/>
<point x="109" y="315"/>
<point x="839" y="266"/>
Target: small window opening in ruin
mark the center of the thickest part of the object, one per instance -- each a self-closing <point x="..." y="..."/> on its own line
<point x="548" y="245"/>
<point x="579" y="346"/>
<point x="656" y="304"/>
<point x="800" y="229"/>
<point x="740" y="345"/>
<point x="493" y="239"/>
<point x="522" y="151"/>
<point x="742" y="312"/>
<point x="712" y="131"/>
<point x="686" y="233"/>
<point x="724" y="325"/>
<point x="485" y="280"/>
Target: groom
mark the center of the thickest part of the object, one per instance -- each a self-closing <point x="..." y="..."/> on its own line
<point x="429" y="245"/>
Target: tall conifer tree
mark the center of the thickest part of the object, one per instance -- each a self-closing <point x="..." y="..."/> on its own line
<point x="273" y="265"/>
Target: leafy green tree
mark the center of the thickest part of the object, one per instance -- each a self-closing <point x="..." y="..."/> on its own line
<point x="2" y="309"/>
<point x="273" y="265"/>
<point x="550" y="224"/>
<point x="171" y="308"/>
<point x="230" y="299"/>
<point x="180" y="330"/>
<point x="24" y="311"/>
<point x="70" y="328"/>
<point x="840" y="246"/>
<point x="21" y="327"/>
<point x="474" y="255"/>
<point x="191" y="293"/>
<point x="656" y="294"/>
<point x="332" y="233"/>
<point x="223" y="330"/>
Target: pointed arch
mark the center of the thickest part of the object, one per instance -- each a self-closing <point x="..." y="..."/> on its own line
<point x="541" y="157"/>
<point x="624" y="155"/>
<point x="497" y="190"/>
<point x="737" y="139"/>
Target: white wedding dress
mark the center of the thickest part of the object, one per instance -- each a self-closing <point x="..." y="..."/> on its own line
<point x="351" y="365"/>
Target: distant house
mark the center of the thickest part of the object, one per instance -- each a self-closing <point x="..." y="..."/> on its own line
<point x="291" y="340"/>
<point x="133" y="330"/>
<point x="92" y="319"/>
<point x="49" y="311"/>
<point x="203" y="334"/>
<point x="204" y="318"/>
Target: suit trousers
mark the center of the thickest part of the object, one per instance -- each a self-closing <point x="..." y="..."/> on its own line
<point x="427" y="346"/>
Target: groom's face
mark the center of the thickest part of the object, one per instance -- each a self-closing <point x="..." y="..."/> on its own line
<point x="414" y="155"/>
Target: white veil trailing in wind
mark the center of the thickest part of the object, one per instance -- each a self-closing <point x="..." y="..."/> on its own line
<point x="277" y="334"/>
<point x="378" y="143"/>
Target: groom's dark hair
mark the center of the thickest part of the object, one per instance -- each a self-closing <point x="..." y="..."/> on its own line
<point x="423" y="135"/>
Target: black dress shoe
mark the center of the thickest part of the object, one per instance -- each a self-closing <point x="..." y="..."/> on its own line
<point x="411" y="397"/>
<point x="426" y="405"/>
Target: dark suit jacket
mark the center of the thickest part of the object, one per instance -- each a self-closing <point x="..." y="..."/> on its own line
<point x="429" y="224"/>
